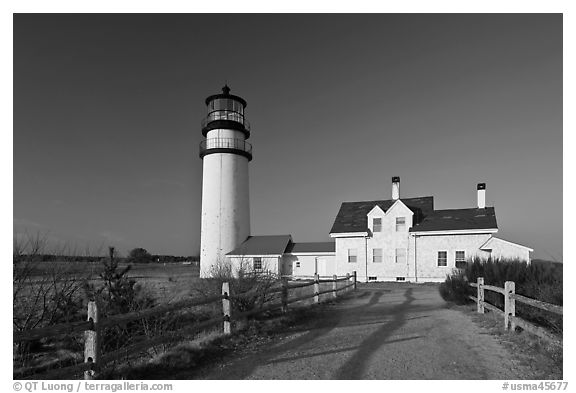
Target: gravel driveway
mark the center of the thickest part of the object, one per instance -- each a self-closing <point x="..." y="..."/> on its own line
<point x="383" y="331"/>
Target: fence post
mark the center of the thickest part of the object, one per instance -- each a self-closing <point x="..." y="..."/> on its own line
<point x="480" y="295"/>
<point x="334" y="285"/>
<point x="316" y="288"/>
<point x="226" y="307"/>
<point x="91" y="344"/>
<point x="347" y="281"/>
<point x="284" y="295"/>
<point x="509" y="305"/>
<point x="354" y="279"/>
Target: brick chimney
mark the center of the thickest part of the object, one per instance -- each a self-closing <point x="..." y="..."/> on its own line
<point x="396" y="187"/>
<point x="481" y="195"/>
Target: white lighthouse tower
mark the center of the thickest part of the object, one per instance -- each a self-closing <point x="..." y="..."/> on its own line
<point x="225" y="198"/>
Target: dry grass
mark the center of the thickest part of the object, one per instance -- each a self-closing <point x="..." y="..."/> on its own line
<point x="542" y="357"/>
<point x="190" y="359"/>
<point x="165" y="284"/>
<point x="184" y="360"/>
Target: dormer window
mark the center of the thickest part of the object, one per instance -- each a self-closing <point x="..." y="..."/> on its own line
<point x="400" y="224"/>
<point x="376" y="225"/>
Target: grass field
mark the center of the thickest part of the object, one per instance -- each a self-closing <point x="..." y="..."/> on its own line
<point x="165" y="282"/>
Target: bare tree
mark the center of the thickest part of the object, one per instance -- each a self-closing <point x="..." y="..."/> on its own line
<point x="250" y="286"/>
<point x="44" y="293"/>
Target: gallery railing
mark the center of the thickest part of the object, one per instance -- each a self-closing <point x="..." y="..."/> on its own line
<point x="225" y="143"/>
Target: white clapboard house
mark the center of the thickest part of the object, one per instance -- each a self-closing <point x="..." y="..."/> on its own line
<point x="398" y="239"/>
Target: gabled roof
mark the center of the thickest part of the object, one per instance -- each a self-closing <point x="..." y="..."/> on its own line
<point x="352" y="216"/>
<point x="489" y="244"/>
<point x="263" y="245"/>
<point x="458" y="219"/>
<point x="311" y="247"/>
<point x="377" y="210"/>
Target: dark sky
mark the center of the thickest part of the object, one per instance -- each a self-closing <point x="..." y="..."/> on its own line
<point x="107" y="112"/>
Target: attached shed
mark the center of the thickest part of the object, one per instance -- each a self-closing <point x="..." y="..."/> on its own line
<point x="499" y="248"/>
<point x="260" y="254"/>
<point x="280" y="255"/>
<point x="307" y="259"/>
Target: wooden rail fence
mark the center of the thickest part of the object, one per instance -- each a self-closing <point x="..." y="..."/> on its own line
<point x="509" y="312"/>
<point x="92" y="328"/>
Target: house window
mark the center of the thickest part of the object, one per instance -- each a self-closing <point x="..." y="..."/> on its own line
<point x="257" y="263"/>
<point x="400" y="278"/>
<point x="400" y="224"/>
<point x="442" y="258"/>
<point x="297" y="263"/>
<point x="372" y="278"/>
<point x="376" y="225"/>
<point x="352" y="255"/>
<point x="400" y="255"/>
<point x="460" y="259"/>
<point x="377" y="255"/>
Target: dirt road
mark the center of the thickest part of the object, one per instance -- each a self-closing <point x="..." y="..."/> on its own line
<point x="387" y="331"/>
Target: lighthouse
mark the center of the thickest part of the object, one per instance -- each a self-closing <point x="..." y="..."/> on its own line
<point x="225" y="197"/>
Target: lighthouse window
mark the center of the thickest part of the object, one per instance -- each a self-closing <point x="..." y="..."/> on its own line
<point x="222" y="104"/>
<point x="257" y="263"/>
<point x="226" y="104"/>
<point x="237" y="107"/>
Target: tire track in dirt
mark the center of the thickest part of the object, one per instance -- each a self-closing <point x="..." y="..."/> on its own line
<point x="243" y="368"/>
<point x="387" y="331"/>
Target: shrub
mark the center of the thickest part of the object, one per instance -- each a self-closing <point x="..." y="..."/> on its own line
<point x="538" y="280"/>
<point x="456" y="288"/>
<point x="250" y="288"/>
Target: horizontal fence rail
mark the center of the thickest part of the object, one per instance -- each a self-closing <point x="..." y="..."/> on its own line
<point x="494" y="289"/>
<point x="54" y="330"/>
<point x="92" y="328"/>
<point x="509" y="312"/>
<point x="538" y="304"/>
